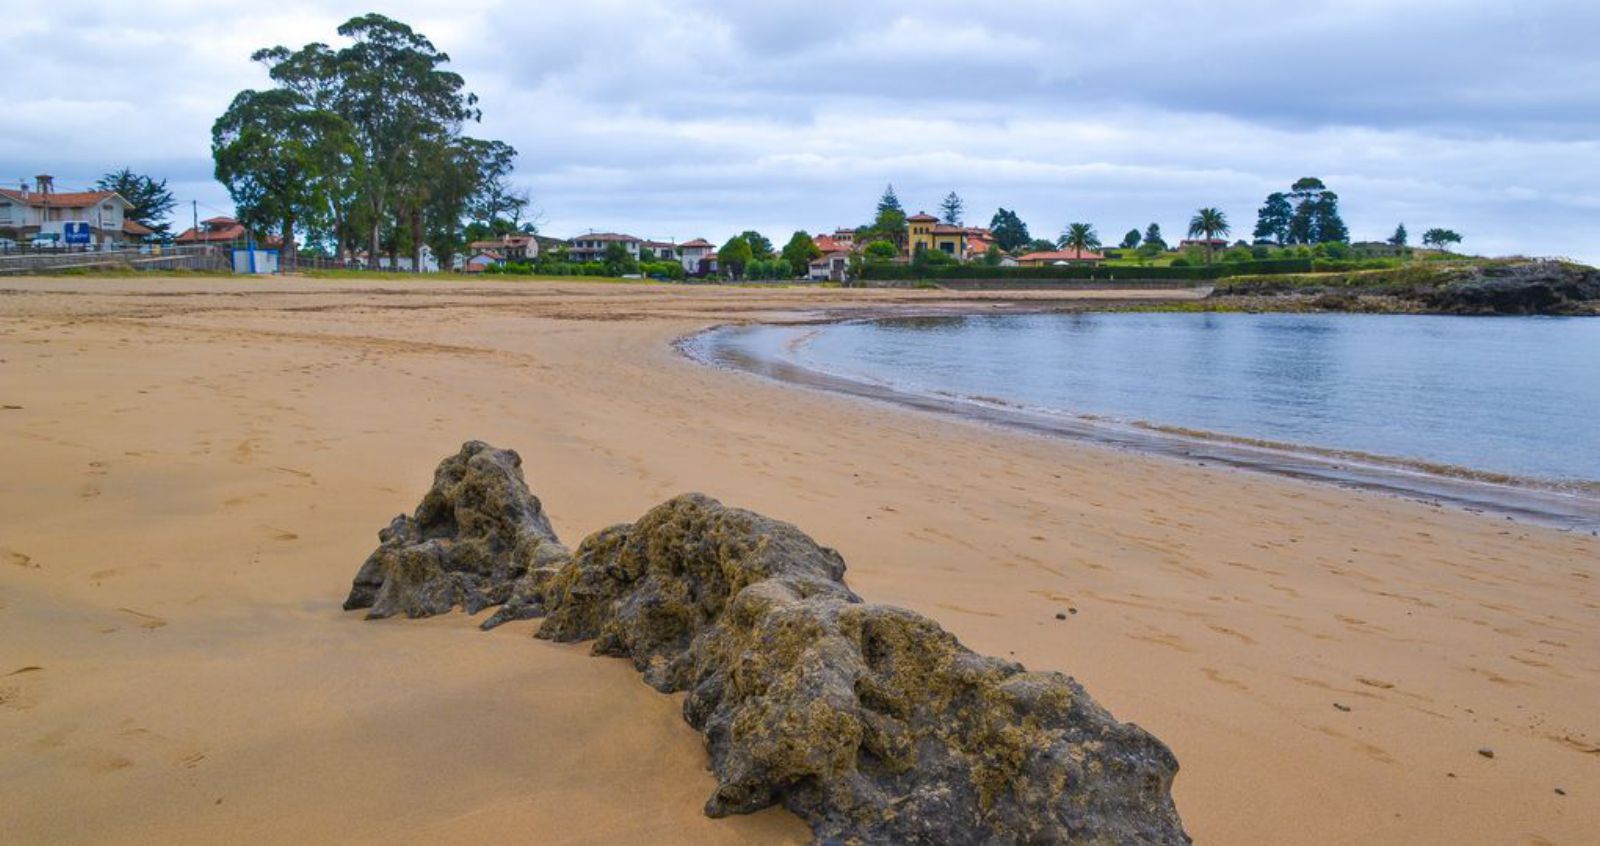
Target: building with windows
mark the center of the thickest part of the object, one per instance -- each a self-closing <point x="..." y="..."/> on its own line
<point x="593" y="246"/>
<point x="925" y="232"/>
<point x="518" y="248"/>
<point x="29" y="212"/>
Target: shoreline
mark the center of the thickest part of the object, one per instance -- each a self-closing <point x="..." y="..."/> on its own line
<point x="1463" y="488"/>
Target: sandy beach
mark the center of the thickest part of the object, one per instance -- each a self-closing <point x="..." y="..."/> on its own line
<point x="191" y="471"/>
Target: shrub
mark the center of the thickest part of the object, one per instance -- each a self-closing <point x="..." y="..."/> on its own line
<point x="880" y="251"/>
<point x="1178" y="272"/>
<point x="1180" y="261"/>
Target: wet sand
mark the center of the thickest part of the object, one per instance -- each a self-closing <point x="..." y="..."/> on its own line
<point x="191" y="471"/>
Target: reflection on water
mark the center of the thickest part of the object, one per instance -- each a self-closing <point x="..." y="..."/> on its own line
<point x="1509" y="395"/>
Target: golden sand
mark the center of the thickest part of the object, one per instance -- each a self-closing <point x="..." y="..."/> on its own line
<point x="191" y="471"/>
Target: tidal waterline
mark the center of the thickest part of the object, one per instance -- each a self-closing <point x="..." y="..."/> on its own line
<point x="1494" y="412"/>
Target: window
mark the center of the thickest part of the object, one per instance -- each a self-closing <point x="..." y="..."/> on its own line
<point x="5" y="212"/>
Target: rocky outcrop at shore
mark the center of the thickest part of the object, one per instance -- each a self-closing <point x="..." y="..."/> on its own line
<point x="871" y="723"/>
<point x="1487" y="288"/>
<point x="1544" y="287"/>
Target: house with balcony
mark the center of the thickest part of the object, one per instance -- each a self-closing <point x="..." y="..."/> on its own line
<point x="593" y="246"/>
<point x="29" y="212"/>
<point x="514" y="247"/>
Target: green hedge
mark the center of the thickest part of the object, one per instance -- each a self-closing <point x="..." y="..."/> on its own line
<point x="1080" y="273"/>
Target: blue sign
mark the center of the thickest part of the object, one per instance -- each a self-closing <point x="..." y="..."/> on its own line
<point x="76" y="233"/>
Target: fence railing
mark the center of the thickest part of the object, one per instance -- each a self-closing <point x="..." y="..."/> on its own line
<point x="143" y="258"/>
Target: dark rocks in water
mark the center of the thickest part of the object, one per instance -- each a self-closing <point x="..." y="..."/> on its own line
<point x="871" y="723"/>
<point x="476" y="533"/>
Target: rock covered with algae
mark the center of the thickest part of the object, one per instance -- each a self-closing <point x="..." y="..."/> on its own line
<point x="475" y="533"/>
<point x="871" y="723"/>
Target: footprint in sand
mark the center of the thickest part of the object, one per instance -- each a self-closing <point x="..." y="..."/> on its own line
<point x="1217" y="676"/>
<point x="11" y="556"/>
<point x="281" y="534"/>
<point x="146" y="621"/>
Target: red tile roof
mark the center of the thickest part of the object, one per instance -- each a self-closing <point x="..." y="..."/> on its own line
<point x="605" y="236"/>
<point x="830" y="244"/>
<point x="922" y="218"/>
<point x="67" y="200"/>
<point x="134" y="227"/>
<point x="217" y="230"/>
<point x="1061" y="255"/>
<point x="699" y="244"/>
<point x="224" y="230"/>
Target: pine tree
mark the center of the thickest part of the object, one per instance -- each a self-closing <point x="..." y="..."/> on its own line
<point x="1273" y="219"/>
<point x="1400" y="237"/>
<point x="889" y="202"/>
<point x="1152" y="235"/>
<point x="951" y="208"/>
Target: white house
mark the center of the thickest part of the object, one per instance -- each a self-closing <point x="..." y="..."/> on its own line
<point x="26" y="213"/>
<point x="694" y="255"/>
<point x="830" y="267"/>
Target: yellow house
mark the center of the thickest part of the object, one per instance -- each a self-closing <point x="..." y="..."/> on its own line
<point x="927" y="233"/>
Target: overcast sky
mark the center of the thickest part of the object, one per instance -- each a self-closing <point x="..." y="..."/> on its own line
<point x="681" y="119"/>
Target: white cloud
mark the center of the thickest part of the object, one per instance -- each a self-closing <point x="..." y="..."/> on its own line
<point x="693" y="117"/>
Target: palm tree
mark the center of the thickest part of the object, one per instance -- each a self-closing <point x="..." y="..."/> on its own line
<point x="1208" y="223"/>
<point x="1080" y="237"/>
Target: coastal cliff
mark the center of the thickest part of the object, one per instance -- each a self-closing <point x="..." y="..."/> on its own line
<point x="871" y="723"/>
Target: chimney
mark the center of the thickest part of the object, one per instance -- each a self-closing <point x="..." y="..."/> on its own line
<point x="47" y="183"/>
<point x="22" y="186"/>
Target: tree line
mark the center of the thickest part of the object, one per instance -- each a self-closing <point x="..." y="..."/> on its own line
<point x="362" y="145"/>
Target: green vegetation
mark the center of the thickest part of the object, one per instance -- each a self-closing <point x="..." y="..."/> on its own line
<point x="1009" y="230"/>
<point x="1085" y="273"/>
<point x="950" y="209"/>
<point x="1208" y="223"/>
<point x="149" y="197"/>
<point x="880" y="251"/>
<point x="800" y="252"/>
<point x="1153" y="239"/>
<point x="363" y="144"/>
<point x="1079" y="237"/>
<point x="1440" y="239"/>
<point x="760" y="247"/>
<point x="734" y="256"/>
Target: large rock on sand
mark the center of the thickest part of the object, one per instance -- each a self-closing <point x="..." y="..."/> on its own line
<point x="871" y="723"/>
<point x="474" y="535"/>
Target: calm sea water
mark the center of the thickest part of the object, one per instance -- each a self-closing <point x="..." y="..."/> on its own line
<point x="1508" y="395"/>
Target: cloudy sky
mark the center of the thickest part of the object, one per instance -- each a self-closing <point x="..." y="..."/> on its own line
<point x="686" y="118"/>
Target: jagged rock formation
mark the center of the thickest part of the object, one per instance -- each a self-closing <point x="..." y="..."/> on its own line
<point x="1497" y="287"/>
<point x="872" y="723"/>
<point x="476" y="532"/>
<point x="1542" y="287"/>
